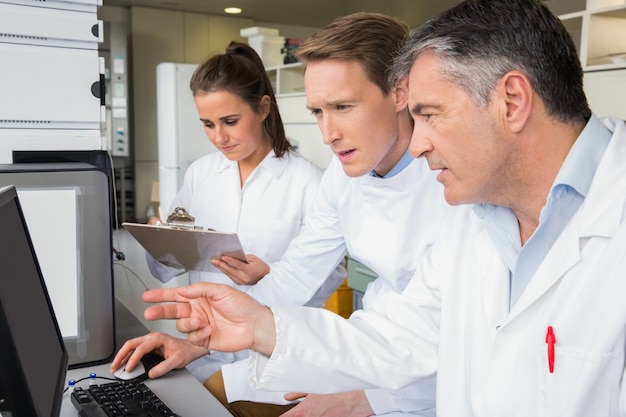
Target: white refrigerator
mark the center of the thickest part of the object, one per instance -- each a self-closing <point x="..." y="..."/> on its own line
<point x="181" y="137"/>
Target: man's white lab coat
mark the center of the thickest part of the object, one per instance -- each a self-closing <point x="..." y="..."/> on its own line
<point x="385" y="223"/>
<point x="454" y="318"/>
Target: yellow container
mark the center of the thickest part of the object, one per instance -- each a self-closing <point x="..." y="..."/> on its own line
<point x="340" y="301"/>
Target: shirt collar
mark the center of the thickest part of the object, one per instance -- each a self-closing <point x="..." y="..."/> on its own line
<point x="271" y="163"/>
<point x="579" y="166"/>
<point x="402" y="163"/>
<point x="583" y="159"/>
<point x="274" y="164"/>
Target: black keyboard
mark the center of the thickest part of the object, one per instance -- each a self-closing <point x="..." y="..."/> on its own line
<point x="119" y="399"/>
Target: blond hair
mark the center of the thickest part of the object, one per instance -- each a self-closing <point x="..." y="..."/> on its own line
<point x="371" y="39"/>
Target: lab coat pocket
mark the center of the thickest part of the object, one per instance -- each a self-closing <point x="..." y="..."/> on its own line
<point x="268" y="238"/>
<point x="584" y="382"/>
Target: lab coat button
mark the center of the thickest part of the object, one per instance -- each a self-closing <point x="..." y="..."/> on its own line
<point x="498" y="327"/>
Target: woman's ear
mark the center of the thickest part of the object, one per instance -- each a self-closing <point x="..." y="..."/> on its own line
<point x="265" y="106"/>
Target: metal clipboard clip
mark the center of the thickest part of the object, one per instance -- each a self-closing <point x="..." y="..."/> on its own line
<point x="181" y="219"/>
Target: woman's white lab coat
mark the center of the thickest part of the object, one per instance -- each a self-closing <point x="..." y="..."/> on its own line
<point x="454" y="317"/>
<point x="266" y="213"/>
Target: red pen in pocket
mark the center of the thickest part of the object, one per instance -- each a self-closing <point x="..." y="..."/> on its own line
<point x="550" y="340"/>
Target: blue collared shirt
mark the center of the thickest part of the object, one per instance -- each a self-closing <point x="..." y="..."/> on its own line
<point x="402" y="163"/>
<point x="567" y="193"/>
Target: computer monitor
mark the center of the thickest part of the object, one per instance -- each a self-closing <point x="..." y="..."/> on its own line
<point x="66" y="207"/>
<point x="33" y="357"/>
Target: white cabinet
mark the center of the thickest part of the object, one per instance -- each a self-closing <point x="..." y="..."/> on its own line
<point x="51" y="77"/>
<point x="606" y="92"/>
<point x="300" y="125"/>
<point x="287" y="79"/>
<point x="50" y="88"/>
<point x="293" y="109"/>
<point x="598" y="28"/>
<point x="49" y="27"/>
<point x="599" y="32"/>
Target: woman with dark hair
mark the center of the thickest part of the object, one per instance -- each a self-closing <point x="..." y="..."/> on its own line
<point x="255" y="186"/>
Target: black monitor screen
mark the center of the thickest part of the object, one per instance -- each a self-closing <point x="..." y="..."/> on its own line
<point x="33" y="358"/>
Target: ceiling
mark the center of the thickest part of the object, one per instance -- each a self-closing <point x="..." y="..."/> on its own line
<point x="315" y="14"/>
<point x="319" y="13"/>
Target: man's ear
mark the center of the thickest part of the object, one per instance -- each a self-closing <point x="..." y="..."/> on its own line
<point x="516" y="94"/>
<point x="401" y="93"/>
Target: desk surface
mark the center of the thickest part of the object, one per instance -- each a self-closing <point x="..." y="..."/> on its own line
<point x="179" y="390"/>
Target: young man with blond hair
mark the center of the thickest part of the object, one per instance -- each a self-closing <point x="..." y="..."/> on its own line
<point x="375" y="202"/>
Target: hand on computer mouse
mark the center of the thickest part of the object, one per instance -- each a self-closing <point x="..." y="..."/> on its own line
<point x="178" y="353"/>
<point x="141" y="370"/>
<point x="137" y="374"/>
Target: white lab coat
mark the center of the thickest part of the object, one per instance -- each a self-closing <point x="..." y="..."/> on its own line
<point x="369" y="217"/>
<point x="454" y="317"/>
<point x="266" y="213"/>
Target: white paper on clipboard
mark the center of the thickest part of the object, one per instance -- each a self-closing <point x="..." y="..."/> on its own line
<point x="187" y="248"/>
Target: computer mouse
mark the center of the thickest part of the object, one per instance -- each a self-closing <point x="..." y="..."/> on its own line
<point x="140" y="372"/>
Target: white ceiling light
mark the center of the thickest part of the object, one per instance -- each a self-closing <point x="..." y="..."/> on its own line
<point x="232" y="10"/>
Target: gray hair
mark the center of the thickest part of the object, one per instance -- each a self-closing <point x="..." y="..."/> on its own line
<point x="480" y="41"/>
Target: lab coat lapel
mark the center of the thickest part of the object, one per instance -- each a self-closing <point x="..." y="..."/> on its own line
<point x="599" y="216"/>
<point x="602" y="210"/>
<point x="564" y="254"/>
<point x="494" y="277"/>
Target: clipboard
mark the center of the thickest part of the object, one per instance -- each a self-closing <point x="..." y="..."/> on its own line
<point x="189" y="248"/>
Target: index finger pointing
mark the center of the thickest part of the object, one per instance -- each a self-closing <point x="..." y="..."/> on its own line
<point x="160" y="295"/>
<point x="167" y="311"/>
